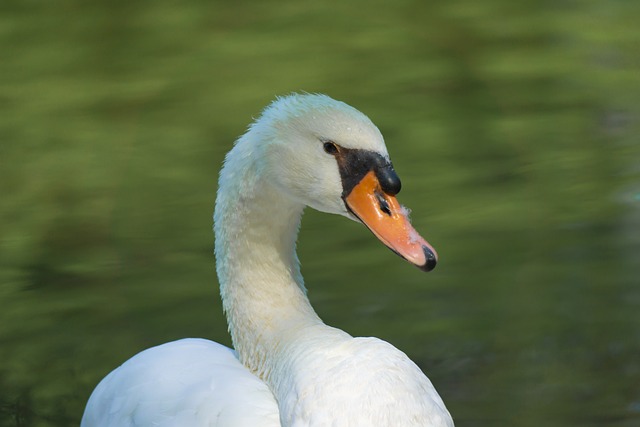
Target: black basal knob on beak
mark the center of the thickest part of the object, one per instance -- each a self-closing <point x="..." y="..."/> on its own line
<point x="389" y="179"/>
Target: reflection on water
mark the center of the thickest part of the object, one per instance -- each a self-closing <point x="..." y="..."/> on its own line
<point x="514" y="128"/>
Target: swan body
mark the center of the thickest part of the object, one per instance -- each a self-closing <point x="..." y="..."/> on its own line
<point x="180" y="384"/>
<point x="288" y="367"/>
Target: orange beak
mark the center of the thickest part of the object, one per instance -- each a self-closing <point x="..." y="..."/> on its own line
<point x="389" y="222"/>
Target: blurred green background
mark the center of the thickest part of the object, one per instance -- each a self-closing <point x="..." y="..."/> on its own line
<point x="514" y="126"/>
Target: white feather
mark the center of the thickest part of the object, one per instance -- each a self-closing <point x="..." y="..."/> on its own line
<point x="191" y="382"/>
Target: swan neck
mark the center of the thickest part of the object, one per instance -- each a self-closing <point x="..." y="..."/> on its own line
<point x="262" y="290"/>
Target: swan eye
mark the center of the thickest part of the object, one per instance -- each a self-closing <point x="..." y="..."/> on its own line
<point x="330" y="148"/>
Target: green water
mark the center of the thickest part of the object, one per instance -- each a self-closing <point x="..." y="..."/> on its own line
<point x="514" y="126"/>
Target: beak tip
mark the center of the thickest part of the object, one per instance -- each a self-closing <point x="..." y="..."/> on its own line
<point x="431" y="259"/>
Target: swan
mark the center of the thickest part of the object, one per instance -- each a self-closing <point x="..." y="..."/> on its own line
<point x="288" y="367"/>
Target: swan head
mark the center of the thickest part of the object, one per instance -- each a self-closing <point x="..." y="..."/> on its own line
<point x="327" y="155"/>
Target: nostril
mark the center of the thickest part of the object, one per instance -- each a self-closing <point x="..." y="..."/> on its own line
<point x="384" y="205"/>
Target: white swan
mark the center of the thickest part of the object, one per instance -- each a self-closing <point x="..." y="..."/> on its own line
<point x="290" y="368"/>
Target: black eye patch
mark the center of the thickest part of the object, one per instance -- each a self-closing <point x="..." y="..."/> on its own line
<point x="354" y="164"/>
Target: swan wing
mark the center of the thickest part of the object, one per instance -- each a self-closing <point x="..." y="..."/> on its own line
<point x="190" y="382"/>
